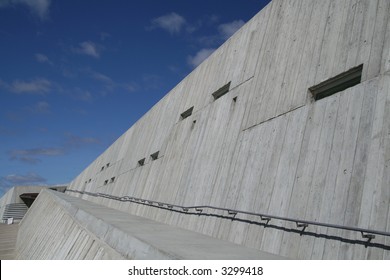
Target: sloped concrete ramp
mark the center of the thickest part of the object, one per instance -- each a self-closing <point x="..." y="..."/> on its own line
<point x="84" y="230"/>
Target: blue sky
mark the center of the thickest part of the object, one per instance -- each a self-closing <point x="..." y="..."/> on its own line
<point x="75" y="75"/>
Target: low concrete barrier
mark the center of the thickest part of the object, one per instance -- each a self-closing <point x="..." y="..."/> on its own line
<point x="81" y="229"/>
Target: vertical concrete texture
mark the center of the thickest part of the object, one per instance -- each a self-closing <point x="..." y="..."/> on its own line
<point x="50" y="231"/>
<point x="266" y="146"/>
<point x="8" y="236"/>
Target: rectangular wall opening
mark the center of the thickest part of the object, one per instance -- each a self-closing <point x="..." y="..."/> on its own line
<point x="141" y="162"/>
<point x="186" y="113"/>
<point x="338" y="83"/>
<point x="112" y="179"/>
<point x="105" y="182"/>
<point x="154" y="156"/>
<point x="221" y="92"/>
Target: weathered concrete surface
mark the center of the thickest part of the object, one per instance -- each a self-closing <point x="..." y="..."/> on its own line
<point x="129" y="236"/>
<point x="266" y="146"/>
<point x="8" y="235"/>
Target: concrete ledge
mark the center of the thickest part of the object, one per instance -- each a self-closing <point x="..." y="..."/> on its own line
<point x="134" y="237"/>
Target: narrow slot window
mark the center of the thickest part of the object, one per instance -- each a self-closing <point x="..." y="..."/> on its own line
<point x="186" y="113"/>
<point x="102" y="168"/>
<point x="338" y="83"/>
<point x="154" y="156"/>
<point x="221" y="92"/>
<point x="141" y="162"/>
<point x="112" y="180"/>
<point x="105" y="182"/>
<point x="89" y="181"/>
<point x="107" y="165"/>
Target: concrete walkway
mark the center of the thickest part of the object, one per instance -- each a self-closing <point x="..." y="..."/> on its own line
<point x="8" y="235"/>
<point x="131" y="237"/>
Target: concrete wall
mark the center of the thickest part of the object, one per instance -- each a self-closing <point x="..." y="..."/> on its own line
<point x="50" y="231"/>
<point x="267" y="146"/>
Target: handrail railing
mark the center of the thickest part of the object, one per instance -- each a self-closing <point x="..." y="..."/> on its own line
<point x="368" y="234"/>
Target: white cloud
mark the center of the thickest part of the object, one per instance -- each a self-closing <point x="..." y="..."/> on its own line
<point x="172" y="23"/>
<point x="42" y="58"/>
<point x="39" y="8"/>
<point x="88" y="48"/>
<point x="226" y="30"/>
<point x="36" y="86"/>
<point x="199" y="57"/>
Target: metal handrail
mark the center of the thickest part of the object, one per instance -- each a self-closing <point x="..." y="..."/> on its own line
<point x="368" y="234"/>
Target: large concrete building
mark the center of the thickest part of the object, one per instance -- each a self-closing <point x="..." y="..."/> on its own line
<point x="276" y="146"/>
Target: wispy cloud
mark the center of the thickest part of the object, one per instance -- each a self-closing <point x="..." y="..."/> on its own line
<point x="74" y="141"/>
<point x="207" y="21"/>
<point x="41" y="58"/>
<point x="199" y="57"/>
<point x="109" y="84"/>
<point x="35" y="86"/>
<point x="70" y="143"/>
<point x="39" y="8"/>
<point x="101" y="77"/>
<point x="172" y="23"/>
<point x="30" y="178"/>
<point x="175" y="23"/>
<point x="104" y="36"/>
<point x="88" y="48"/>
<point x="131" y="87"/>
<point x="41" y="107"/>
<point x="33" y="156"/>
<point x="209" y="43"/>
<point x="78" y="93"/>
<point x="226" y="30"/>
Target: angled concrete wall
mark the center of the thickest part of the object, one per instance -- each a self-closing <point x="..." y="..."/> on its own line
<point x="267" y="146"/>
<point x="50" y="231"/>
